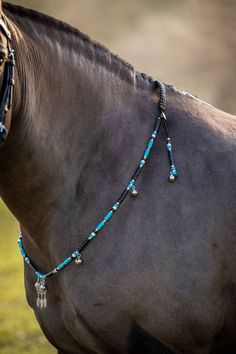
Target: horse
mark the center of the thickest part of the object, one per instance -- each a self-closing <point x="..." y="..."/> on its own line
<point x="161" y="276"/>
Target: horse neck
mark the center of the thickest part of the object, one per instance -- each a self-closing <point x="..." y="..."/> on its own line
<point x="75" y="140"/>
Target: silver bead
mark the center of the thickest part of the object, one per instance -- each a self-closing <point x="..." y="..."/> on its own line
<point x="171" y="178"/>
<point x="43" y="288"/>
<point x="78" y="261"/>
<point x="134" y="193"/>
<point x="37" y="285"/>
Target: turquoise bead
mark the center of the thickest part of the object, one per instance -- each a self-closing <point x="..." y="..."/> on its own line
<point x="64" y="263"/>
<point x="108" y="216"/>
<point x="142" y="163"/>
<point x="150" y="144"/>
<point x="146" y="154"/>
<point x="130" y="185"/>
<point x="75" y="254"/>
<point x="20" y="243"/>
<point x="116" y="206"/>
<point x="169" y="146"/>
<point x="174" y="171"/>
<point x="60" y="266"/>
<point x="27" y="260"/>
<point x="40" y="275"/>
<point x="67" y="261"/>
<point x="92" y="235"/>
<point x="154" y="134"/>
<point x="100" y="226"/>
<point x="22" y="252"/>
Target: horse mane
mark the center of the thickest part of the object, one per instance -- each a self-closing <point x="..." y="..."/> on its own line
<point x="105" y="57"/>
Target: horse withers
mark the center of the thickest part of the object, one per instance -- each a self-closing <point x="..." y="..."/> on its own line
<point x="160" y="276"/>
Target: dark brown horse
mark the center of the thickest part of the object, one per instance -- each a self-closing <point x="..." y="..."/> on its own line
<point x="161" y="277"/>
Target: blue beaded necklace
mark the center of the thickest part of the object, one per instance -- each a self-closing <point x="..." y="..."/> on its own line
<point x="40" y="285"/>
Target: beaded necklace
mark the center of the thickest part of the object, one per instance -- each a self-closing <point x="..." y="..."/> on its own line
<point x="40" y="285"/>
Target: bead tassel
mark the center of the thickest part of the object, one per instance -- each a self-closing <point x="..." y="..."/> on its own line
<point x="173" y="171"/>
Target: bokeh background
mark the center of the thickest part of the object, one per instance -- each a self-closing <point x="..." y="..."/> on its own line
<point x="188" y="43"/>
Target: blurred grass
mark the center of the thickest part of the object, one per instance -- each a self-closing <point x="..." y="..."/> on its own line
<point x="19" y="331"/>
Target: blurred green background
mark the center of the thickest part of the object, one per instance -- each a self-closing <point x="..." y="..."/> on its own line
<point x="19" y="331"/>
<point x="188" y="43"/>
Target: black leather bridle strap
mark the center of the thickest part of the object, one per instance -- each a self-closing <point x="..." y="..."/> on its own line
<point x="4" y="28"/>
<point x="8" y="83"/>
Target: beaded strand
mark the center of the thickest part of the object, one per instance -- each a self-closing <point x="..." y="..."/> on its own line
<point x="173" y="171"/>
<point x="76" y="255"/>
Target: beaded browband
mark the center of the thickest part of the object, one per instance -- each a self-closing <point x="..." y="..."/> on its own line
<point x="76" y="255"/>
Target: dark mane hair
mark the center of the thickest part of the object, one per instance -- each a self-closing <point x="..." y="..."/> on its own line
<point x="104" y="55"/>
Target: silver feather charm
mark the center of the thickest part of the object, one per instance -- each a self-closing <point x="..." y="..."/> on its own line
<point x="41" y="293"/>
